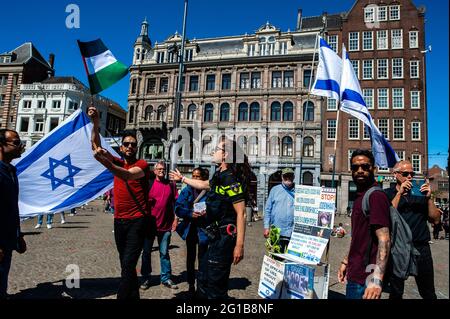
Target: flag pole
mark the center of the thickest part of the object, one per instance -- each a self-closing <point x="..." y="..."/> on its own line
<point x="335" y="145"/>
<point x="305" y="111"/>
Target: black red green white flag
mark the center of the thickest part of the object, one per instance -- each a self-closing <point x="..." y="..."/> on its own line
<point x="102" y="67"/>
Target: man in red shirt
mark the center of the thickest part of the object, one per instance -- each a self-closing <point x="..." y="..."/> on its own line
<point x="361" y="283"/>
<point x="161" y="198"/>
<point x="131" y="178"/>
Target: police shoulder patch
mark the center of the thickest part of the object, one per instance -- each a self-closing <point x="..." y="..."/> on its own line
<point x="235" y="187"/>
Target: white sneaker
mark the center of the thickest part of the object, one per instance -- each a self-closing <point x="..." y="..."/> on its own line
<point x="49" y="226"/>
<point x="37" y="226"/>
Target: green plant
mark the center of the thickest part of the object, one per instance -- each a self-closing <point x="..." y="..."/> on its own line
<point x="273" y="241"/>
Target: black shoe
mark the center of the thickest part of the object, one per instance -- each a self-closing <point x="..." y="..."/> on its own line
<point x="169" y="284"/>
<point x="146" y="284"/>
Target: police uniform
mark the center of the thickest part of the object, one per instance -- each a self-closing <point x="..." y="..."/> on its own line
<point x="225" y="191"/>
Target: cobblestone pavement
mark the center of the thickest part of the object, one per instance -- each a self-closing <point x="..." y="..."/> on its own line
<point x="87" y="240"/>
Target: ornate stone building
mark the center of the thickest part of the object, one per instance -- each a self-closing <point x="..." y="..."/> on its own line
<point x="254" y="84"/>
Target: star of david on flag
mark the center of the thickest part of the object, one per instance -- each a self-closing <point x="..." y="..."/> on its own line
<point x="60" y="172"/>
<point x="54" y="164"/>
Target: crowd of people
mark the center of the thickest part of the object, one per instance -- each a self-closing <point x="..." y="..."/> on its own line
<point x="210" y="215"/>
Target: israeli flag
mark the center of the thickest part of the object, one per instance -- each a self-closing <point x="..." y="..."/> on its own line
<point x="352" y="102"/>
<point x="329" y="72"/>
<point x="60" y="172"/>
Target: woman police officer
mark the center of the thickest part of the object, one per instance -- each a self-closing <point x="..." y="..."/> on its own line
<point x="225" y="213"/>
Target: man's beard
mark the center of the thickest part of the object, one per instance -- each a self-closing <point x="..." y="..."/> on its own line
<point x="368" y="181"/>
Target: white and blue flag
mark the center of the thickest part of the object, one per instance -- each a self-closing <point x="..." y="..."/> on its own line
<point x="60" y="172"/>
<point x="329" y="72"/>
<point x="352" y="102"/>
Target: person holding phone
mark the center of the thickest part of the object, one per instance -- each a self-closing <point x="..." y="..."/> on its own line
<point x="190" y="228"/>
<point x="417" y="211"/>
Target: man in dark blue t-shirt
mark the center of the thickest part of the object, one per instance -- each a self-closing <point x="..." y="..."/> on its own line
<point x="417" y="211"/>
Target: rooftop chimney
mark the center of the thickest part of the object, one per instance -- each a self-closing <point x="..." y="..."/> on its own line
<point x="299" y="19"/>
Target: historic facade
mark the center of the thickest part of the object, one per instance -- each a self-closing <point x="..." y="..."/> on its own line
<point x="23" y="65"/>
<point x="255" y="85"/>
<point x="43" y="106"/>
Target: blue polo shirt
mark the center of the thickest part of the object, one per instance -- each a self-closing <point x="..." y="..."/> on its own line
<point x="280" y="209"/>
<point x="9" y="207"/>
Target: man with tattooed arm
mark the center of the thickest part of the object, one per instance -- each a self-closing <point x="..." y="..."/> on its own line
<point x="357" y="266"/>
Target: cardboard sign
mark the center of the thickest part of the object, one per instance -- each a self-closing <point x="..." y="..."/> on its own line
<point x="271" y="278"/>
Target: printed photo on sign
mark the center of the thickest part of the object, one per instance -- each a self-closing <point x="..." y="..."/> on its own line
<point x="314" y="206"/>
<point x="298" y="282"/>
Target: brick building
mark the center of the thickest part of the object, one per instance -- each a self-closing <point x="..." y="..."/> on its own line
<point x="439" y="185"/>
<point x="23" y="65"/>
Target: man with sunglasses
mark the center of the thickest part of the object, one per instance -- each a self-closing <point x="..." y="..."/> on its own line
<point x="131" y="178"/>
<point x="416" y="210"/>
<point x="362" y="258"/>
<point x="11" y="238"/>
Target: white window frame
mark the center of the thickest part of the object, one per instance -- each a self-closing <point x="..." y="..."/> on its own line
<point x="412" y="93"/>
<point x="328" y="105"/>
<point x="387" y="99"/>
<point x="382" y="9"/>
<point x="369" y="12"/>
<point x="401" y="155"/>
<point x="417" y="157"/>
<point x="369" y="99"/>
<point x="385" y="37"/>
<point x="394" y="127"/>
<point x="331" y="128"/>
<point x="366" y="39"/>
<point x="384" y="67"/>
<point x="39" y="125"/>
<point x="393" y="67"/>
<point x="365" y="68"/>
<point x="350" y="41"/>
<point x="413" y="39"/>
<point x="27" y="104"/>
<point x="349" y="152"/>
<point x="41" y="102"/>
<point x="333" y="42"/>
<point x="414" y="66"/>
<point x="413" y="126"/>
<point x="357" y="67"/>
<point x="394" y="96"/>
<point x="365" y="137"/>
<point x="391" y="10"/>
<point x="350" y="127"/>
<point x="386" y="121"/>
<point x="394" y="39"/>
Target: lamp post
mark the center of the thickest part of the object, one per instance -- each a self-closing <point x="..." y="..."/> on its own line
<point x="176" y="116"/>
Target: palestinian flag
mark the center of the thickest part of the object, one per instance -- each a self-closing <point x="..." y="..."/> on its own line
<point x="102" y="68"/>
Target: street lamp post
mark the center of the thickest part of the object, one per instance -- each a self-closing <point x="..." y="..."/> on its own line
<point x="176" y="116"/>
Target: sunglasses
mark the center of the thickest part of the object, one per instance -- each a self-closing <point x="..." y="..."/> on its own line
<point x="406" y="174"/>
<point x="16" y="143"/>
<point x="127" y="144"/>
<point x="365" y="167"/>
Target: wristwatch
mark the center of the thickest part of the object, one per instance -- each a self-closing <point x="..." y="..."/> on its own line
<point x="376" y="281"/>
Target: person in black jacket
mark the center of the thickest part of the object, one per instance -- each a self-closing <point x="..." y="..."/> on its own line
<point x="11" y="239"/>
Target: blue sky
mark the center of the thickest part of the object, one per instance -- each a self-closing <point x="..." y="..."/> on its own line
<point x="117" y="23"/>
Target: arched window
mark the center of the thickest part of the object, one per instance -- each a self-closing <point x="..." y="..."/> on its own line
<point x="131" y="114"/>
<point x="242" y="142"/>
<point x="275" y="111"/>
<point x="192" y="111"/>
<point x="161" y="113"/>
<point x="308" y="111"/>
<point x="254" y="111"/>
<point x="138" y="54"/>
<point x="207" y="145"/>
<point x="148" y="115"/>
<point x="287" y="147"/>
<point x="275" y="146"/>
<point x="307" y="179"/>
<point x="308" y="147"/>
<point x="288" y="111"/>
<point x="253" y="146"/>
<point x="225" y="112"/>
<point x="243" y="112"/>
<point x="209" y="109"/>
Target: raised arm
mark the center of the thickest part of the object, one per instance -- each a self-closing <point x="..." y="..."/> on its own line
<point x="106" y="160"/>
<point x="95" y="138"/>
<point x="195" y="183"/>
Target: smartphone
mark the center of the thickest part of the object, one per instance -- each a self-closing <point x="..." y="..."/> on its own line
<point x="416" y="185"/>
<point x="200" y="207"/>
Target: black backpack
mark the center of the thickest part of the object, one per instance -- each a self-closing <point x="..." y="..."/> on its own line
<point x="403" y="255"/>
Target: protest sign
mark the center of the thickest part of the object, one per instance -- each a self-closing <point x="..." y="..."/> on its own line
<point x="271" y="278"/>
<point x="298" y="282"/>
<point x="314" y="206"/>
